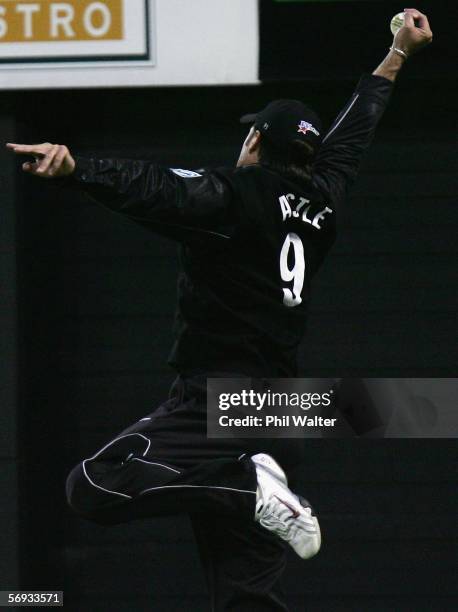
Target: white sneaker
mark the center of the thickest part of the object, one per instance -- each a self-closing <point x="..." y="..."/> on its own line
<point x="282" y="512"/>
<point x="270" y="465"/>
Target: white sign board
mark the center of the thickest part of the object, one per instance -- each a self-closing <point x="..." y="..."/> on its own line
<point x="35" y="34"/>
<point x="111" y="43"/>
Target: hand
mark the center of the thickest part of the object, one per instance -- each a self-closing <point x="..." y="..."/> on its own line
<point x="51" y="161"/>
<point x="411" y="38"/>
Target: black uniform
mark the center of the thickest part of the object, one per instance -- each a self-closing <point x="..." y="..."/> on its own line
<point x="251" y="240"/>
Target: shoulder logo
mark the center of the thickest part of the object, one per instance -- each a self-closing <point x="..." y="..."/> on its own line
<point x="305" y="126"/>
<point x="185" y="173"/>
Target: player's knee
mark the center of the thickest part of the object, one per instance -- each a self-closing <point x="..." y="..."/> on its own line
<point x="81" y="497"/>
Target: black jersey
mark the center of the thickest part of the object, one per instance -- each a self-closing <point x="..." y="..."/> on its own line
<point x="251" y="240"/>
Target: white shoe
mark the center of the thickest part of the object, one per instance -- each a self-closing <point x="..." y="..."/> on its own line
<point x="270" y="465"/>
<point x="282" y="512"/>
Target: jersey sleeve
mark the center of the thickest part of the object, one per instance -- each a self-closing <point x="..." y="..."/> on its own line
<point x="177" y="203"/>
<point x="339" y="157"/>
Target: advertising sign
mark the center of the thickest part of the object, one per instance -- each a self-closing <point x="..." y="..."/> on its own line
<point x="37" y="33"/>
<point x="50" y="44"/>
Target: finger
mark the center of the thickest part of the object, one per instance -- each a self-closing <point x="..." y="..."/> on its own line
<point x="47" y="160"/>
<point x="39" y="150"/>
<point x="423" y="22"/>
<point x="23" y="149"/>
<point x="408" y="19"/>
<point x="29" y="167"/>
<point x="58" y="160"/>
<point x="419" y="17"/>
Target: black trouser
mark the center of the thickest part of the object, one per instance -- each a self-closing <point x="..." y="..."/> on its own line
<point x="165" y="464"/>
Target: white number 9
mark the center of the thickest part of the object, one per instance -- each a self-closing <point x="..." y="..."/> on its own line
<point x="296" y="273"/>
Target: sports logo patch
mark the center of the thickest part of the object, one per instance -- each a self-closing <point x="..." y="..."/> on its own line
<point x="305" y="126"/>
<point x="185" y="173"/>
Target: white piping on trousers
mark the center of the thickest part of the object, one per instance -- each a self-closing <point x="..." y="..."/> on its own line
<point x="152" y="488"/>
<point x="196" y="487"/>
<point x="154" y="463"/>
<point x="101" y="451"/>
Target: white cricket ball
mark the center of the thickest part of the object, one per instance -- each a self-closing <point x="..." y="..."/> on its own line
<point x="397" y="23"/>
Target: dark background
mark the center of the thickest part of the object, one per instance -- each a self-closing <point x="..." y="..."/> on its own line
<point x="86" y="310"/>
<point x="340" y="39"/>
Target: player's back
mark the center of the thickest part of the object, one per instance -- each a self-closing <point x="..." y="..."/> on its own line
<point x="244" y="292"/>
<point x="252" y="239"/>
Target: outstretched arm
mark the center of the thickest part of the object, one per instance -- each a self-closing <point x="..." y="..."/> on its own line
<point x="339" y="157"/>
<point x="171" y="202"/>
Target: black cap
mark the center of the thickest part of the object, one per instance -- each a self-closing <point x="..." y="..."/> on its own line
<point x="283" y="121"/>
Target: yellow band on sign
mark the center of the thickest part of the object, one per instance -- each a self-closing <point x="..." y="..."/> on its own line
<point x="49" y="21"/>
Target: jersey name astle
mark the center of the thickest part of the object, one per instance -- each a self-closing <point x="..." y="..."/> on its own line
<point x="308" y="215"/>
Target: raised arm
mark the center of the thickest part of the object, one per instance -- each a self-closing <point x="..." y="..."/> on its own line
<point x="172" y="202"/>
<point x="339" y="157"/>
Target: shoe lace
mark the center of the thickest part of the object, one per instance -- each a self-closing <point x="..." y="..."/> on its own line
<point x="275" y="517"/>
